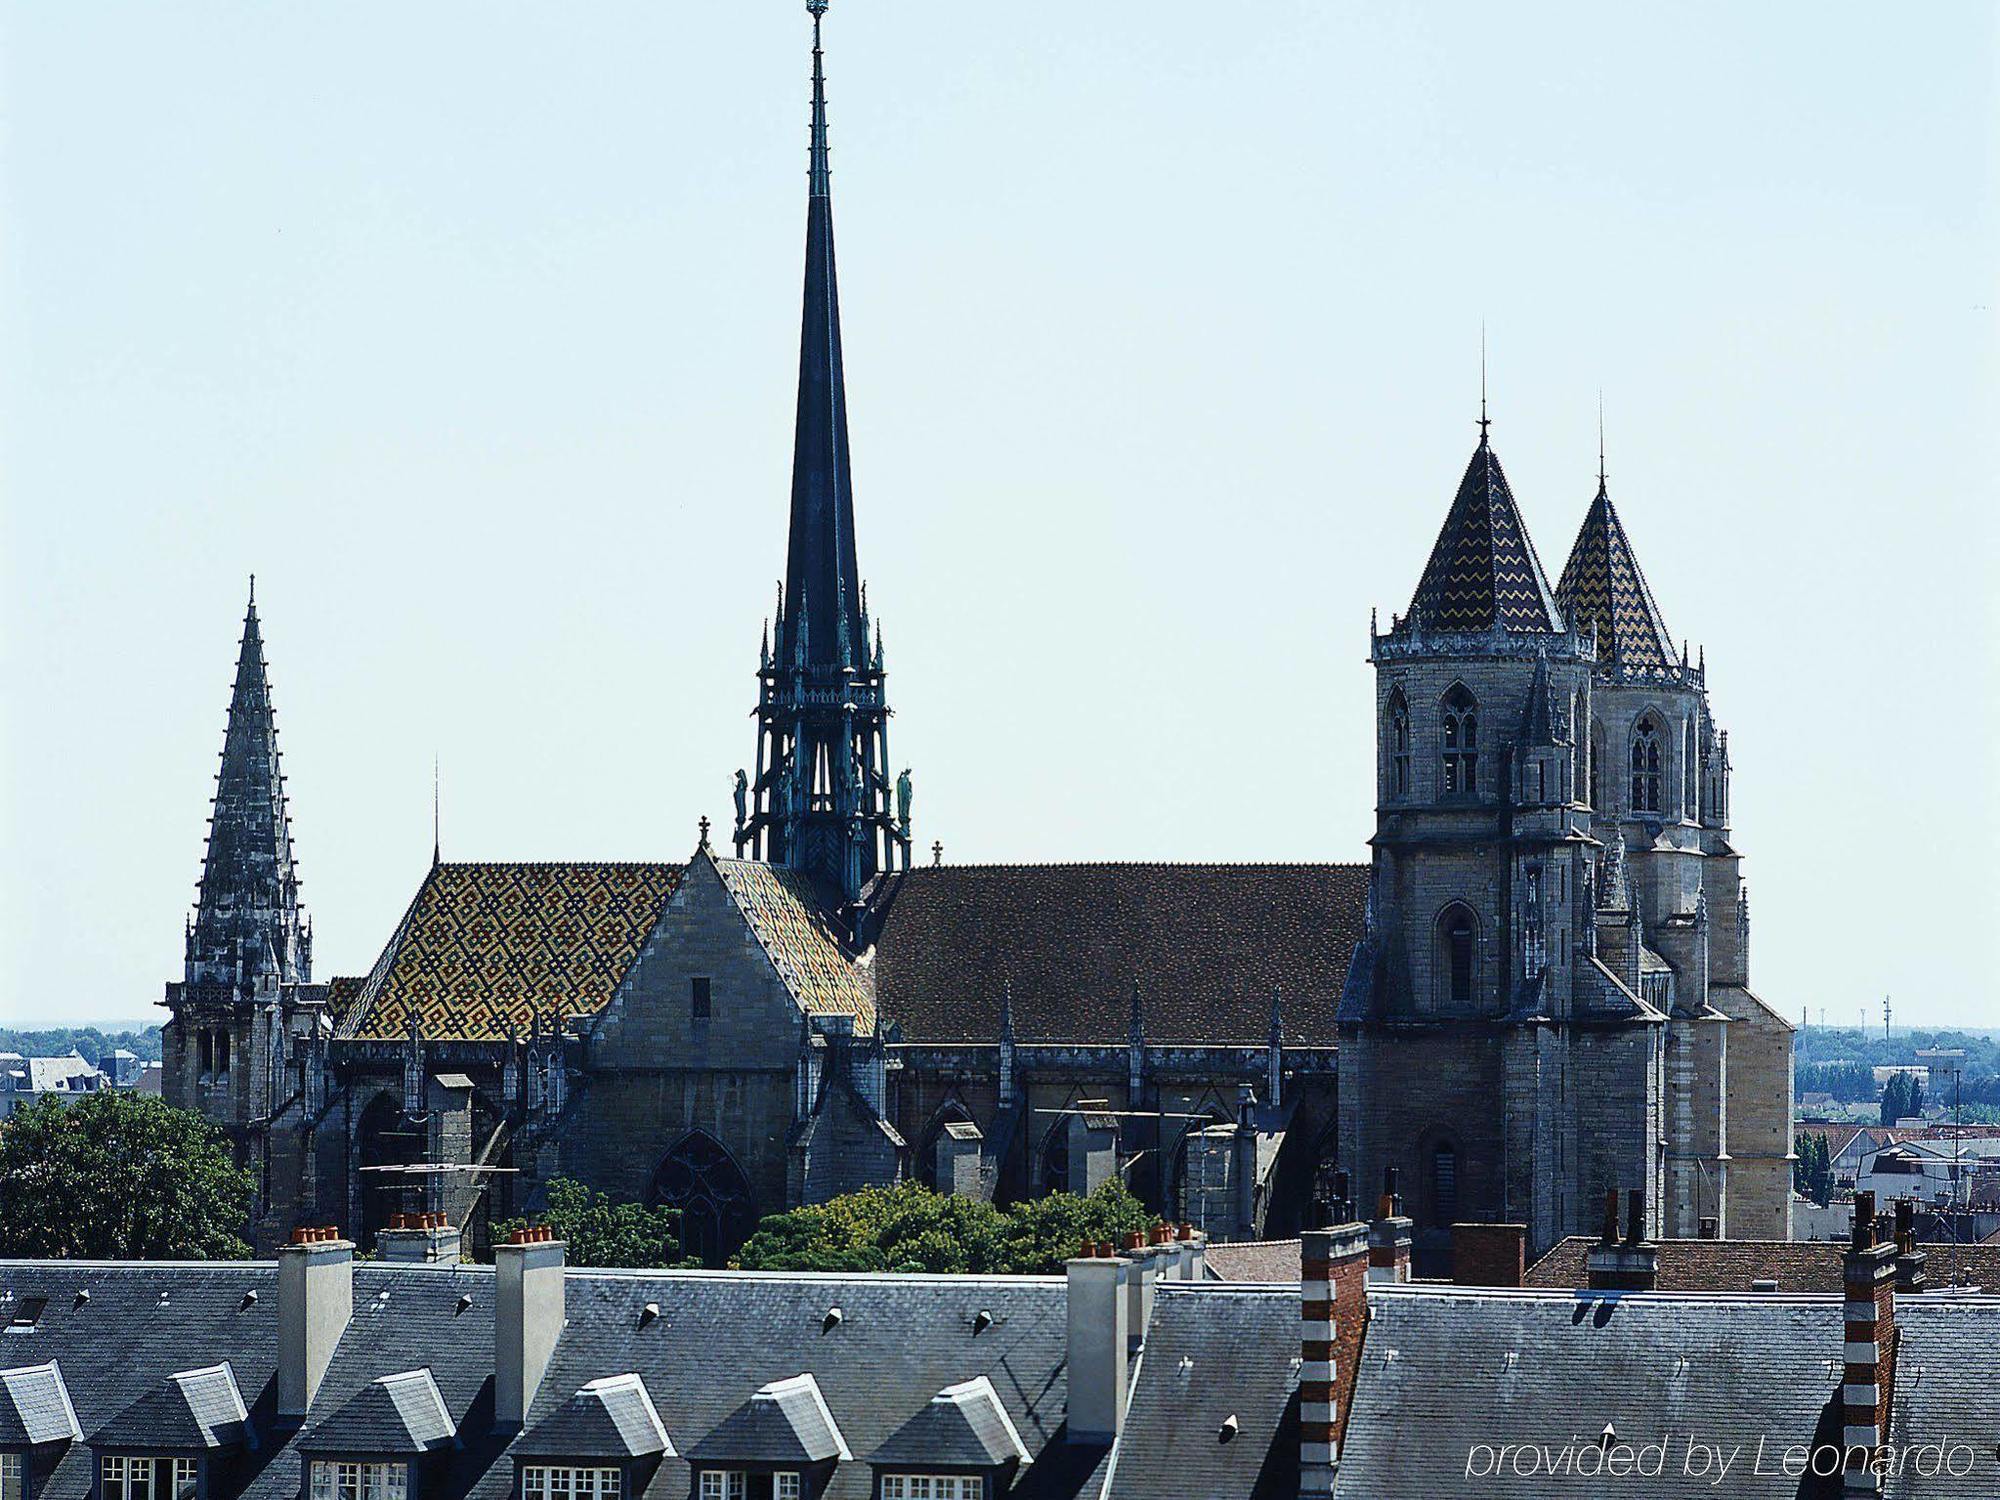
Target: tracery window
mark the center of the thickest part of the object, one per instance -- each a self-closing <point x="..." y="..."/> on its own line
<point x="1397" y="734"/>
<point x="1646" y="762"/>
<point x="1459" y="743"/>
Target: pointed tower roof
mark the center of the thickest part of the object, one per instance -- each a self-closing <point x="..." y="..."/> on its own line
<point x="247" y="921"/>
<point x="1603" y="587"/>
<point x="822" y="583"/>
<point x="1483" y="570"/>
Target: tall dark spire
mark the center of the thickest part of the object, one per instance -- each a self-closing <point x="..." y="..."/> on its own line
<point x="1604" y="590"/>
<point x="248" y="924"/>
<point x="824" y="799"/>
<point x="822" y="583"/>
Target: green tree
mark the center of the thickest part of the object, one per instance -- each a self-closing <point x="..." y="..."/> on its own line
<point x="599" y="1231"/>
<point x="1812" y="1172"/>
<point x="116" y="1176"/>
<point x="908" y="1227"/>
<point x="1902" y="1096"/>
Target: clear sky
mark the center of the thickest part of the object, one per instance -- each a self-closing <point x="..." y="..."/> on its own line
<point x="471" y="330"/>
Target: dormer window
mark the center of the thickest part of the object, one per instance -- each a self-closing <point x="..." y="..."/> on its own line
<point x="933" y="1487"/>
<point x="10" y="1477"/>
<point x="558" y="1482"/>
<point x="332" y="1480"/>
<point x="147" y="1477"/>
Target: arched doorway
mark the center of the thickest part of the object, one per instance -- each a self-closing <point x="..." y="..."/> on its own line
<point x="702" y="1180"/>
<point x="384" y="1137"/>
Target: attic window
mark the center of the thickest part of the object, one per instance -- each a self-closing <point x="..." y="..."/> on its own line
<point x="549" y="1482"/>
<point x="125" y="1478"/>
<point x="932" y="1487"/>
<point x="10" y="1476"/>
<point x="27" y="1313"/>
<point x="359" y="1481"/>
<point x="698" y="997"/>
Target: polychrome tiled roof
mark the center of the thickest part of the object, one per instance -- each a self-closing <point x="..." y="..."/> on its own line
<point x="791" y="927"/>
<point x="1483" y="570"/>
<point x="486" y="948"/>
<point x="1603" y="588"/>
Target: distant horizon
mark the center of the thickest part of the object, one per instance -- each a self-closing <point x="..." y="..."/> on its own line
<point x="1163" y="352"/>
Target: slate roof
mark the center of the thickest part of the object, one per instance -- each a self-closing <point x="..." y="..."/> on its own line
<point x="1602" y="587"/>
<point x="783" y="1422"/>
<point x="789" y="924"/>
<point x="403" y="1413"/>
<point x="1483" y="570"/>
<point x="34" y="1407"/>
<point x="720" y="1336"/>
<point x="488" y="947"/>
<point x="612" y="1417"/>
<point x="963" y="1425"/>
<point x="189" y="1411"/>
<point x="1731" y="1265"/>
<point x="1446" y="1374"/>
<point x="1206" y="944"/>
<point x="1214" y="1353"/>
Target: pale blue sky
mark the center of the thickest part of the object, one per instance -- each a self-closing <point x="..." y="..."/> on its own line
<point x="471" y="328"/>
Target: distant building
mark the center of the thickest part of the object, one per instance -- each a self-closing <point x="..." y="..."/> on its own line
<point x="24" y="1079"/>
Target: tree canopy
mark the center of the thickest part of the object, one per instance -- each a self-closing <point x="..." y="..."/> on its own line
<point x="119" y="1176"/>
<point x="1812" y="1171"/>
<point x="1902" y="1097"/>
<point x="600" y="1231"/>
<point x="909" y="1227"/>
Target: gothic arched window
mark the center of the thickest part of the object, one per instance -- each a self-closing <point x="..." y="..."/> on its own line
<point x="702" y="1180"/>
<point x="1579" y="766"/>
<point x="1459" y="743"/>
<point x="1444" y="1183"/>
<point x="1646" y="765"/>
<point x="1457" y="954"/>
<point x="1396" y="738"/>
<point x="1055" y="1157"/>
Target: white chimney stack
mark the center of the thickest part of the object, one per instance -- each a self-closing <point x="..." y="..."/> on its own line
<point x="1098" y="1324"/>
<point x="315" y="1300"/>
<point x="528" y="1312"/>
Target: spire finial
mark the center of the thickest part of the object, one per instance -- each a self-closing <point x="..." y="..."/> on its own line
<point x="818" y="154"/>
<point x="1600" y="441"/>
<point x="1484" y="422"/>
<point x="253" y="590"/>
<point x="437" y="816"/>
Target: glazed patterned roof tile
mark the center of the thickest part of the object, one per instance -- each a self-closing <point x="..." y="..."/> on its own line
<point x="1483" y="570"/>
<point x="1603" y="588"/>
<point x="486" y="948"/>
<point x="785" y="915"/>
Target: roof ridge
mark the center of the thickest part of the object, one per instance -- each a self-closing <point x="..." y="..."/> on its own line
<point x="1142" y="864"/>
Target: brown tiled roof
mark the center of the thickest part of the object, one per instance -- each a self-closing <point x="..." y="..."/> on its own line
<point x="1253" y="1260"/>
<point x="1207" y="945"/>
<point x="1731" y="1265"/>
<point x="802" y="945"/>
<point x="486" y="947"/>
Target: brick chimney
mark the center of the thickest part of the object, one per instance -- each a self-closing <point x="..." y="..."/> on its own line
<point x="1869" y="1275"/>
<point x="1390" y="1236"/>
<point x="315" y="1301"/>
<point x="1630" y="1266"/>
<point x="1489" y="1254"/>
<point x="528" y="1313"/>
<point x="1334" y="1273"/>
<point x="1098" y="1307"/>
<point x="1910" y="1261"/>
<point x="418" y="1240"/>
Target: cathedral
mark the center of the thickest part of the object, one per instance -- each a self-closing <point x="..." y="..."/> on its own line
<point x="1535" y="988"/>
